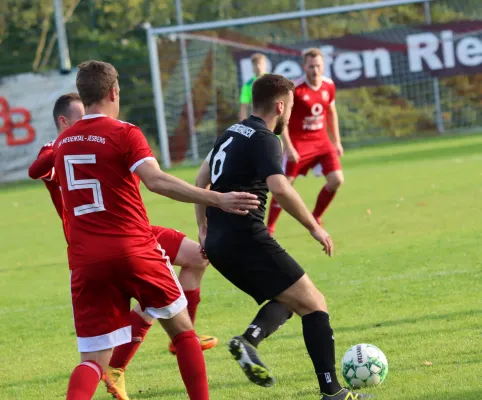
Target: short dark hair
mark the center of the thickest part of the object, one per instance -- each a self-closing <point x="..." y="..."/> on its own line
<point x="62" y="106"/>
<point x="94" y="80"/>
<point x="267" y="89"/>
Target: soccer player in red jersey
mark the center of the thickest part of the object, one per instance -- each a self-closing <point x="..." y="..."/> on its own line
<point x="181" y="250"/>
<point x="306" y="141"/>
<point x="113" y="253"/>
<point x="68" y="109"/>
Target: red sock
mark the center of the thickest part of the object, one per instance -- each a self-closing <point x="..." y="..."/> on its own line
<point x="191" y="364"/>
<point x="193" y="299"/>
<point x="123" y="354"/>
<point x="324" y="199"/>
<point x="83" y="381"/>
<point x="274" y="212"/>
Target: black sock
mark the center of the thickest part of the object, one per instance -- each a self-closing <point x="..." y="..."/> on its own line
<point x="320" y="343"/>
<point x="268" y="320"/>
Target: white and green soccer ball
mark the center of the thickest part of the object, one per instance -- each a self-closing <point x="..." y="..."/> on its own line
<point x="364" y="365"/>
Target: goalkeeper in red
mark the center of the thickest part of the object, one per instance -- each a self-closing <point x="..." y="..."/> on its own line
<point x="306" y="141"/>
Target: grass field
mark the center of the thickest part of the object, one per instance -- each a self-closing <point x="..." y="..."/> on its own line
<point x="406" y="276"/>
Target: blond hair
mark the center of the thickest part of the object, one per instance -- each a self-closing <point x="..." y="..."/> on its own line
<point x="311" y="52"/>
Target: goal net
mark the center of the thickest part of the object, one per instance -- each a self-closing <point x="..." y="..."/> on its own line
<point x="399" y="82"/>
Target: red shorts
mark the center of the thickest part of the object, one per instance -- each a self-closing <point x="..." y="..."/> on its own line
<point x="321" y="164"/>
<point x="169" y="239"/>
<point x="101" y="294"/>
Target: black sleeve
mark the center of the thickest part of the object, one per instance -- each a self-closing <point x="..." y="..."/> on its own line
<point x="267" y="156"/>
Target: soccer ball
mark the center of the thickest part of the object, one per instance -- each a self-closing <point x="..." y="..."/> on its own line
<point x="364" y="365"/>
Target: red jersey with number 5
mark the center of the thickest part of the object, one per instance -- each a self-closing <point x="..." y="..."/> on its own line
<point x="307" y="125"/>
<point x="95" y="160"/>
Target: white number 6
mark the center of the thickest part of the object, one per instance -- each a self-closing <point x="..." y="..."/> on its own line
<point x="221" y="157"/>
<point x="76" y="184"/>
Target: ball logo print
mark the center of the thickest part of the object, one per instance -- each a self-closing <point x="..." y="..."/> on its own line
<point x="13" y="121"/>
<point x="316" y="109"/>
<point x="364" y="365"/>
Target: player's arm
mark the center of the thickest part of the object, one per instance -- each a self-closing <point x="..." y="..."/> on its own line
<point x="267" y="159"/>
<point x="203" y="180"/>
<point x="334" y="128"/>
<point x="289" y="199"/>
<point x="42" y="166"/>
<point x="167" y="185"/>
<point x="288" y="146"/>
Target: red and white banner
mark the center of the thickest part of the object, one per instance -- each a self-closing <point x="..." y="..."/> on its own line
<point x="26" y="121"/>
<point x="387" y="57"/>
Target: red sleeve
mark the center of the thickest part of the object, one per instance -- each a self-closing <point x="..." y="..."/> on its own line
<point x="137" y="150"/>
<point x="43" y="165"/>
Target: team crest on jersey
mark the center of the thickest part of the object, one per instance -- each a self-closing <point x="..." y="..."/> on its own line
<point x="325" y="95"/>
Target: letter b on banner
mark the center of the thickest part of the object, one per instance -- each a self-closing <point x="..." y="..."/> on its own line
<point x="15" y="123"/>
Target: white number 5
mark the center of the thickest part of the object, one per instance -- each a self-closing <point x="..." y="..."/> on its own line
<point x="76" y="184"/>
<point x="221" y="157"/>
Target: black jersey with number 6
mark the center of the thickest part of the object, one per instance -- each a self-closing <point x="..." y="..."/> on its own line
<point x="243" y="157"/>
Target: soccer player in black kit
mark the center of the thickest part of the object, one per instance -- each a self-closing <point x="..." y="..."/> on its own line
<point x="247" y="158"/>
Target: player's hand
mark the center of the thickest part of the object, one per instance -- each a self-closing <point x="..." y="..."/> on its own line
<point x="238" y="203"/>
<point x="293" y="155"/>
<point x="324" y="238"/>
<point x="339" y="149"/>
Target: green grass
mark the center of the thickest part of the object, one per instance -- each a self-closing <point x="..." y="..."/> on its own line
<point x="406" y="277"/>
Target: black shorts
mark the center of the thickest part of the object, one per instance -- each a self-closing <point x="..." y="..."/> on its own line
<point x="254" y="262"/>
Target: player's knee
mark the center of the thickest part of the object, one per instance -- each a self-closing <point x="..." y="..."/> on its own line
<point x="335" y="182"/>
<point x="315" y="301"/>
<point x="197" y="262"/>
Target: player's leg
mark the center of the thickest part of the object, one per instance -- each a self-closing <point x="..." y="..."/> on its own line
<point x="101" y="312"/>
<point x="122" y="355"/>
<point x="249" y="262"/>
<point x="189" y="354"/>
<point x="161" y="296"/>
<point x="193" y="266"/>
<point x="331" y="168"/>
<point x="269" y="319"/>
<point x="86" y="376"/>
<point x="306" y="300"/>
<point x="185" y="253"/>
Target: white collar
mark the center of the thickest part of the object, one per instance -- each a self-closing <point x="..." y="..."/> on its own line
<point x="92" y="116"/>
<point x="313" y="87"/>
